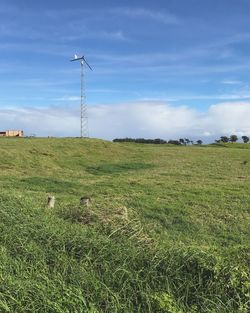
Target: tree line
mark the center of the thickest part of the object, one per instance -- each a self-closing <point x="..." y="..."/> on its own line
<point x="181" y="141"/>
<point x="232" y="138"/>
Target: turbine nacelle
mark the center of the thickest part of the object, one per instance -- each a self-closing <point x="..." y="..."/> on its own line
<point x="82" y="59"/>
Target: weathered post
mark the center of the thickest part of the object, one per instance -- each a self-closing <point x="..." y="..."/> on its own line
<point x="51" y="202"/>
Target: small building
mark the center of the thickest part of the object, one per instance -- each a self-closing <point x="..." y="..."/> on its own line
<point x="12" y="133"/>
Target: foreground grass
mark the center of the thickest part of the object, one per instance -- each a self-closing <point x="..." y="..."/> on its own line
<point x="167" y="230"/>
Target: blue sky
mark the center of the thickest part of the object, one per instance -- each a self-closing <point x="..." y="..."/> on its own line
<point x="191" y="54"/>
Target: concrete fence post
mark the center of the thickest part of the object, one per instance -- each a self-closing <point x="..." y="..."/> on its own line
<point x="85" y="201"/>
<point x="51" y="202"/>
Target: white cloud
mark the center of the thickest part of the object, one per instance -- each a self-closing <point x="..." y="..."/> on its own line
<point x="149" y="119"/>
<point x="46" y="121"/>
<point x="157" y="16"/>
<point x="118" y="35"/>
<point x="231" y="82"/>
<point x="68" y="98"/>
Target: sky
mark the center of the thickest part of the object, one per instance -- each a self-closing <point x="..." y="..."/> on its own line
<point x="168" y="69"/>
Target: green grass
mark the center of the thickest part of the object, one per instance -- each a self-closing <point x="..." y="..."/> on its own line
<point x="167" y="230"/>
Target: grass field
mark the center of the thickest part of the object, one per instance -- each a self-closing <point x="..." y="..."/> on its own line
<point x="167" y="231"/>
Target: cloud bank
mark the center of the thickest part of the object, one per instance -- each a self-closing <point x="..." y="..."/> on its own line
<point x="148" y="119"/>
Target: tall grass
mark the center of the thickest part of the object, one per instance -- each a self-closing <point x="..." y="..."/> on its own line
<point x="167" y="231"/>
<point x="84" y="260"/>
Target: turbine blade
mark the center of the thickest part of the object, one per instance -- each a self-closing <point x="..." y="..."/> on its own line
<point x="76" y="59"/>
<point x="87" y="64"/>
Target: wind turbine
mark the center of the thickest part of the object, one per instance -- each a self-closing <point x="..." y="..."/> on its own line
<point x="84" y="113"/>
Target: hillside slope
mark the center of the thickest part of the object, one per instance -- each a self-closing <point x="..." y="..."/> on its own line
<point x="167" y="230"/>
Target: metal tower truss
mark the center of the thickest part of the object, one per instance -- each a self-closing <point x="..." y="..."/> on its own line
<point x="84" y="129"/>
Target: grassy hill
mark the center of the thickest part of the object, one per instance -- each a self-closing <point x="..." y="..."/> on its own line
<point x="167" y="230"/>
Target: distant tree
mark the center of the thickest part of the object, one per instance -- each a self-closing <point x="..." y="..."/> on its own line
<point x="174" y="142"/>
<point x="187" y="141"/>
<point x="199" y="142"/>
<point x="141" y="140"/>
<point x="217" y="140"/>
<point x="233" y="138"/>
<point x="159" y="141"/>
<point x="224" y="139"/>
<point x="123" y="140"/>
<point x="245" y="139"/>
<point x="182" y="141"/>
<point x="191" y="141"/>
